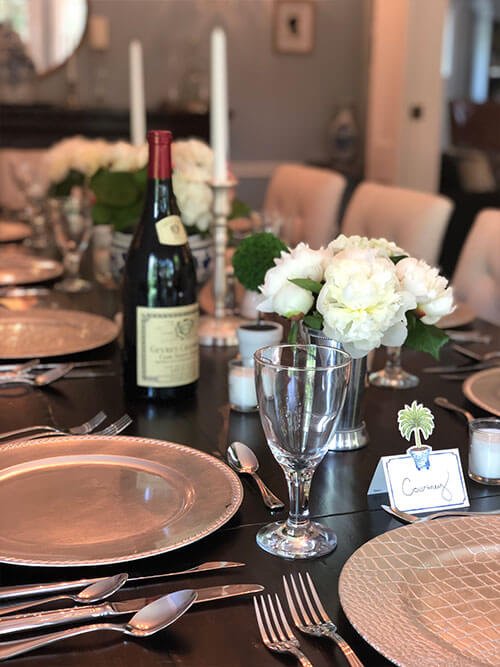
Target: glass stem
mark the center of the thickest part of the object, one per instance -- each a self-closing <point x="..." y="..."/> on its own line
<point x="393" y="361"/>
<point x="299" y="487"/>
<point x="72" y="264"/>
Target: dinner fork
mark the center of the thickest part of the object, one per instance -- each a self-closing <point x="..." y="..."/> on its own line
<point x="313" y="622"/>
<point x="113" y="429"/>
<point x="282" y="640"/>
<point x="81" y="429"/>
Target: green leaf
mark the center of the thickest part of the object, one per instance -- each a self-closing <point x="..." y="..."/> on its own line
<point x="239" y="210"/>
<point x="141" y="178"/>
<point x="63" y="188"/>
<point x="314" y="320"/>
<point x="397" y="258"/>
<point x="308" y="284"/>
<point x="101" y="214"/>
<point x="424" y="337"/>
<point x="115" y="188"/>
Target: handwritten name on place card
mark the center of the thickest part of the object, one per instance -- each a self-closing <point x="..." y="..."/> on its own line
<point x="411" y="490"/>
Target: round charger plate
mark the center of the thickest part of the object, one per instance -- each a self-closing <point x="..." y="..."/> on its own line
<point x="22" y="269"/>
<point x="93" y="500"/>
<point x="429" y="593"/>
<point x="13" y="231"/>
<point x="43" y="332"/>
<point x="462" y="315"/>
<point x="483" y="389"/>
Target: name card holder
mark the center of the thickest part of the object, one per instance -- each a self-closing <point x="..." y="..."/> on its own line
<point x="439" y="486"/>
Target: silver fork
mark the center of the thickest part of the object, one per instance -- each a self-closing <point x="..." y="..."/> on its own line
<point x="313" y="622"/>
<point x="116" y="427"/>
<point x="277" y="637"/>
<point x="81" y="429"/>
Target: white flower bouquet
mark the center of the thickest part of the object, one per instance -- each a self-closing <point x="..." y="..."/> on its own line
<point x="360" y="292"/>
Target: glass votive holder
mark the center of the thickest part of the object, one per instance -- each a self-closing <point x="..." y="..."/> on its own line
<point x="484" y="451"/>
<point x="241" y="381"/>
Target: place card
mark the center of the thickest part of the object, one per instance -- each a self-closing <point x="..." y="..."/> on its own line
<point x="440" y="486"/>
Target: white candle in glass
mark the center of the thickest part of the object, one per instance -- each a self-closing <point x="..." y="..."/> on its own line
<point x="242" y="393"/>
<point x="219" y="113"/>
<point x="484" y="454"/>
<point x="137" y="104"/>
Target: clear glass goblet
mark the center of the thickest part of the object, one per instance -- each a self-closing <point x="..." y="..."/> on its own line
<point x="72" y="223"/>
<point x="300" y="391"/>
<point x="393" y="374"/>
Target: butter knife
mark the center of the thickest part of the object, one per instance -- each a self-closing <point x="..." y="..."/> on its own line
<point x="28" y="590"/>
<point x="47" y="619"/>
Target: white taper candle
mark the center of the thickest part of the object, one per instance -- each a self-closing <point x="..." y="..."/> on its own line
<point x="137" y="103"/>
<point x="219" y="128"/>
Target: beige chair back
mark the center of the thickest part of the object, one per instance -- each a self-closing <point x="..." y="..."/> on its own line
<point x="415" y="221"/>
<point x="476" y="280"/>
<point x="308" y="201"/>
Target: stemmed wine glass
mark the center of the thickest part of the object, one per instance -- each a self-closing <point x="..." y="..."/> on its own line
<point x="300" y="391"/>
<point x="393" y="374"/>
<point x="72" y="222"/>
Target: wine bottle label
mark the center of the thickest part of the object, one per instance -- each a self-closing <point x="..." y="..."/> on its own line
<point x="171" y="231"/>
<point x="167" y="346"/>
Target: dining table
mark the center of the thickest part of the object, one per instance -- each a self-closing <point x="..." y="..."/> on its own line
<point x="225" y="633"/>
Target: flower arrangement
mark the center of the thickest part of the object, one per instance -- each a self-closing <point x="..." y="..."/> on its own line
<point x="116" y="174"/>
<point x="360" y="292"/>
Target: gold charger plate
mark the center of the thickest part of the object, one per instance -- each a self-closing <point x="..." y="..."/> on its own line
<point x="462" y="315"/>
<point x="483" y="389"/>
<point x="43" y="332"/>
<point x="92" y="500"/>
<point x="13" y="231"/>
<point x="429" y="593"/>
<point x="22" y="269"/>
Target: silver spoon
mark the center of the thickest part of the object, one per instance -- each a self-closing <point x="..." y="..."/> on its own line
<point x="448" y="405"/>
<point x="242" y="459"/>
<point x="150" y="619"/>
<point x="100" y="590"/>
<point x="477" y="356"/>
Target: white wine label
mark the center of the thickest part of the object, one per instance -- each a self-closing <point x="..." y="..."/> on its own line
<point x="171" y="231"/>
<point x="167" y="346"/>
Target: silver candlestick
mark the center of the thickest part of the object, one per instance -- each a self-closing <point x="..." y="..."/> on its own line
<point x="220" y="329"/>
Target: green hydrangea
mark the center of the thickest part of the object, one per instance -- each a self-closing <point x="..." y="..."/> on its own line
<point x="254" y="256"/>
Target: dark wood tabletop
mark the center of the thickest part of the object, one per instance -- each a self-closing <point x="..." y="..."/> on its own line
<point x="225" y="634"/>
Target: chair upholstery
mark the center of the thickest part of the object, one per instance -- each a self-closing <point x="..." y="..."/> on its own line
<point x="415" y="221"/>
<point x="476" y="280"/>
<point x="308" y="199"/>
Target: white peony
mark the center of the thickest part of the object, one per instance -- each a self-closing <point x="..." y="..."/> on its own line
<point x="362" y="301"/>
<point x="384" y="247"/>
<point x="433" y="297"/>
<point x="58" y="158"/>
<point x="126" y="157"/>
<point x="283" y="297"/>
<point x="89" y="156"/>
<point x="195" y="201"/>
<point x="194" y="159"/>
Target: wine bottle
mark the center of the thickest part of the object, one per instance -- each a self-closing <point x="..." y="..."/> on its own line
<point x="160" y="311"/>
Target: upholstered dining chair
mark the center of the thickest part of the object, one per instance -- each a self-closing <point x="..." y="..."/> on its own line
<point x="415" y="221"/>
<point x="308" y="201"/>
<point x="476" y="280"/>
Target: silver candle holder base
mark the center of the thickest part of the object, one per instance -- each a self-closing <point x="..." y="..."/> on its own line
<point x="220" y="329"/>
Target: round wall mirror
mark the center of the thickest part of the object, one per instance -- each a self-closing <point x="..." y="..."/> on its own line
<point x="41" y="33"/>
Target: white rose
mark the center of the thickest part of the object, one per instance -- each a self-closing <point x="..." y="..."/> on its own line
<point x="301" y="262"/>
<point x="361" y="300"/>
<point x="433" y="297"/>
<point x="384" y="247"/>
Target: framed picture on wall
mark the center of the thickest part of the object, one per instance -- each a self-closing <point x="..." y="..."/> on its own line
<point x="293" y="26"/>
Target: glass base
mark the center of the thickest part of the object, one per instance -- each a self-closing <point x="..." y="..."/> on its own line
<point x="394" y="379"/>
<point x="312" y="541"/>
<point x="73" y="285"/>
<point x="492" y="481"/>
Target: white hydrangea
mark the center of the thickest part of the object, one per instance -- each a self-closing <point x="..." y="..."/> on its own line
<point x="433" y="297"/>
<point x="283" y="297"/>
<point x="384" y="247"/>
<point x="195" y="201"/>
<point x="362" y="301"/>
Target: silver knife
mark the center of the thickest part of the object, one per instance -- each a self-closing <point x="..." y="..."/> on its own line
<point x="467" y="368"/>
<point x="467" y="336"/>
<point x="47" y="619"/>
<point x="28" y="590"/>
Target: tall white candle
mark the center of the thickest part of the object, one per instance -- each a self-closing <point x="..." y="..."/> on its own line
<point x="219" y="128"/>
<point x="137" y="104"/>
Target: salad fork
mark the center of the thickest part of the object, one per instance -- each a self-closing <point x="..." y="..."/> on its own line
<point x="278" y="638"/>
<point x="315" y="621"/>
<point x="113" y="429"/>
<point x="82" y="429"/>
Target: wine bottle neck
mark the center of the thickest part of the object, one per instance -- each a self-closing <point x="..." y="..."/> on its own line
<point x="160" y="162"/>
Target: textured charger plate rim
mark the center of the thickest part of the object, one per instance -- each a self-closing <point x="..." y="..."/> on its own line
<point x="228" y="512"/>
<point x="52" y="269"/>
<point x="468" y="390"/>
<point x="23" y="231"/>
<point x="105" y="331"/>
<point x="409" y="643"/>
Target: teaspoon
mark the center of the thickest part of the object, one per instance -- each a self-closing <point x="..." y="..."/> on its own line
<point x="242" y="459"/>
<point x="448" y="405"/>
<point x="100" y="590"/>
<point x="150" y="619"/>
